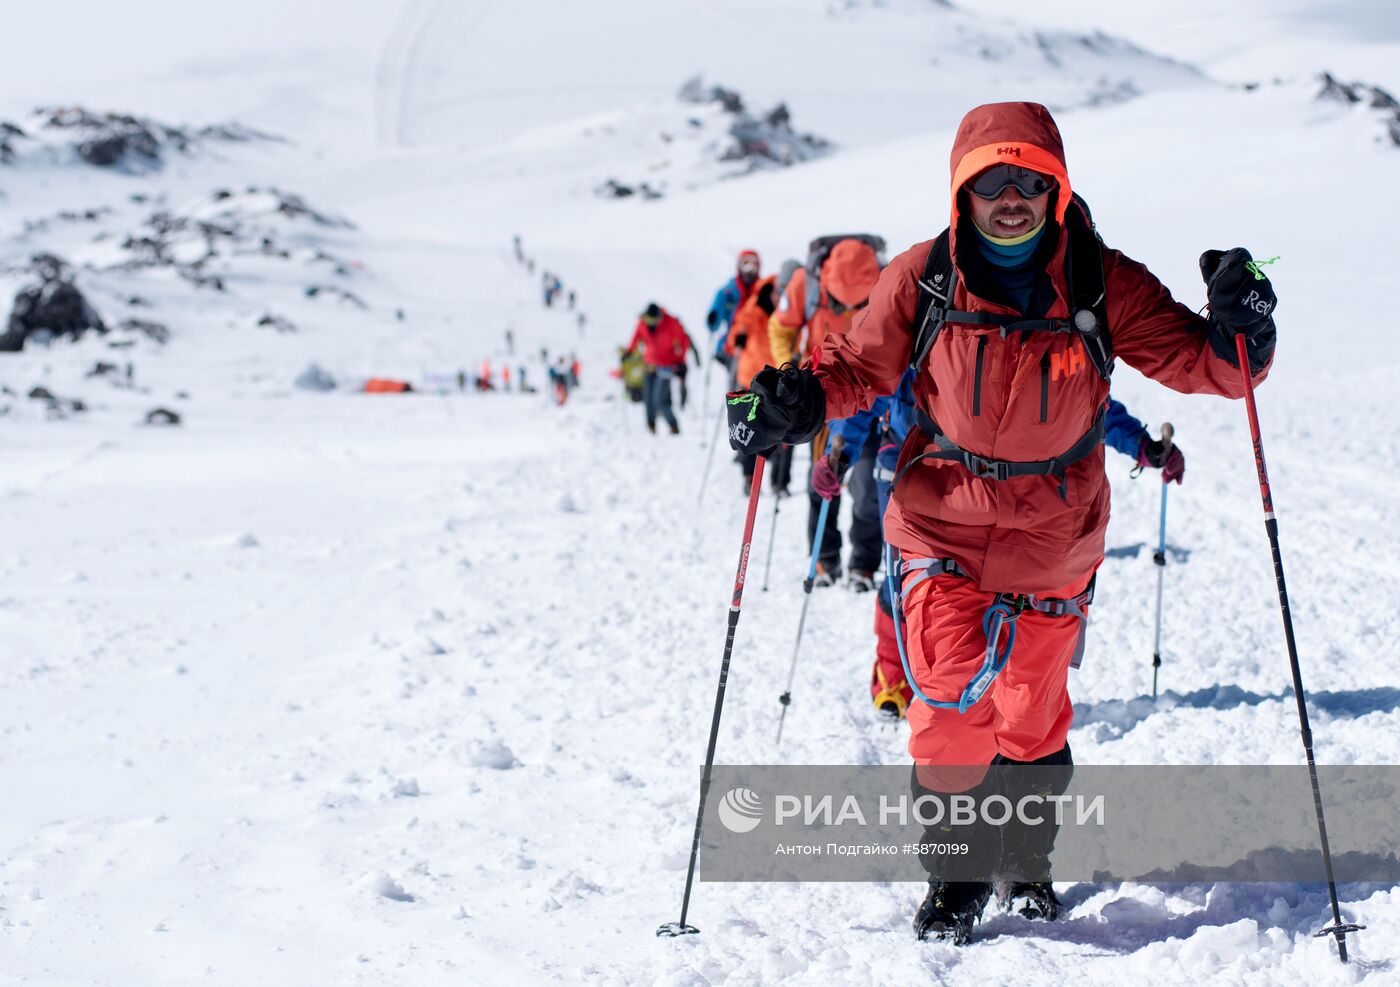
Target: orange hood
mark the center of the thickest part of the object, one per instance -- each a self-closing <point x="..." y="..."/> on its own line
<point x="1010" y="133"/>
<point x="850" y="271"/>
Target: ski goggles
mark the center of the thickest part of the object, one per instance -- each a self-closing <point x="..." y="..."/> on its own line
<point x="995" y="180"/>
<point x="840" y="308"/>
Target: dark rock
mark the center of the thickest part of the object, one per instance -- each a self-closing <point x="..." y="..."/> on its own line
<point x="162" y="416"/>
<point x="278" y="322"/>
<point x="1337" y="92"/>
<point x="52" y="307"/>
<point x="1374" y="97"/>
<point x="57" y="407"/>
<point x="331" y="291"/>
<point x="314" y="378"/>
<point x="613" y="189"/>
<point x="197" y="245"/>
<point x="156" y="332"/>
<point x="9" y="133"/>
<point x="130" y="143"/>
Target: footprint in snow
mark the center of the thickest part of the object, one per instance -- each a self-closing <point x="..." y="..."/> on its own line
<point x="382" y="885"/>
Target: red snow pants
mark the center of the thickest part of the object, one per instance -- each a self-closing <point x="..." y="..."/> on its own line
<point x="1025" y="714"/>
<point x="887" y="683"/>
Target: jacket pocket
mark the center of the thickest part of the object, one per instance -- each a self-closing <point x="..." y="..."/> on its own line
<point x="1045" y="388"/>
<point x="977" y="377"/>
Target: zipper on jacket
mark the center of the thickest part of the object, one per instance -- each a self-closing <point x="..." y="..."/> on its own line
<point x="1045" y="388"/>
<point x="977" y="378"/>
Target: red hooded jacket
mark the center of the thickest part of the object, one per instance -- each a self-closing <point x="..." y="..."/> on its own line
<point x="662" y="346"/>
<point x="1017" y="535"/>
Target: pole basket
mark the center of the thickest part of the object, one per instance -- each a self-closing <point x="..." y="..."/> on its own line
<point x="673" y="929"/>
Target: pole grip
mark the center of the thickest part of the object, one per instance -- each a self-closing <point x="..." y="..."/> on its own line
<point x="743" y="569"/>
<point x="1254" y="435"/>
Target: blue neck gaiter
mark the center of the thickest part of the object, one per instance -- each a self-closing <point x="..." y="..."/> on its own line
<point x="1014" y="262"/>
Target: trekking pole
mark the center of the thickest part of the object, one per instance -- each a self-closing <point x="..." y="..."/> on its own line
<point x="705" y="386"/>
<point x="772" y="534"/>
<point x="710" y="458"/>
<point x="1338" y="929"/>
<point x="786" y="697"/>
<point x="672" y="929"/>
<point x="1160" y="560"/>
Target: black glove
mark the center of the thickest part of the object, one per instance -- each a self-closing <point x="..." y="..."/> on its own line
<point x="780" y="406"/>
<point x="1241" y="303"/>
<point x="741" y="339"/>
<point x="712" y="320"/>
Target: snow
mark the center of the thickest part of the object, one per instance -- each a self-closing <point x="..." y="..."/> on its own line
<point x="354" y="688"/>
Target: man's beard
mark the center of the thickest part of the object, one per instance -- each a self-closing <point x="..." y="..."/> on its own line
<point x="1011" y="214"/>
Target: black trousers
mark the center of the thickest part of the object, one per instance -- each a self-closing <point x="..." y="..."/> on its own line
<point x="779" y="468"/>
<point x="867" y="535"/>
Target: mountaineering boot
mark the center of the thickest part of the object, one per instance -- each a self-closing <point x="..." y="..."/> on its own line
<point x="891" y="699"/>
<point x="949" y="910"/>
<point x="675" y="429"/>
<point x="828" y="572"/>
<point x="1021" y="878"/>
<point x="1028" y="899"/>
<point x="651" y="427"/>
<point x="860" y="581"/>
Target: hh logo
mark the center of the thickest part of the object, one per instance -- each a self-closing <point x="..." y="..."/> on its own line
<point x="1009" y="150"/>
<point x="741" y="433"/>
<point x="1069" y="362"/>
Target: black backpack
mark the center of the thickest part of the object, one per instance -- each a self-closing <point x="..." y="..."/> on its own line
<point x="1083" y="273"/>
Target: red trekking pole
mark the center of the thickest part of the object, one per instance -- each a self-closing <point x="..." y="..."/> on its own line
<point x="680" y="928"/>
<point x="1338" y="928"/>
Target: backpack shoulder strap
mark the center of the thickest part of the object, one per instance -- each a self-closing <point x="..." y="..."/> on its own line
<point x="1088" y="294"/>
<point x="813" y="297"/>
<point x="935" y="298"/>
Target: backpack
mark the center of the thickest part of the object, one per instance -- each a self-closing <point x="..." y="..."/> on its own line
<point x="818" y="251"/>
<point x="785" y="273"/>
<point x="1083" y="274"/>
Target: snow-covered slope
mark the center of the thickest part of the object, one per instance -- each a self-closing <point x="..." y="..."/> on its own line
<point x="387" y="689"/>
<point x="473" y="74"/>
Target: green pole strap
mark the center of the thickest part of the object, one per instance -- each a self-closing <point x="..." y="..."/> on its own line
<point x="751" y="400"/>
<point x="1253" y="266"/>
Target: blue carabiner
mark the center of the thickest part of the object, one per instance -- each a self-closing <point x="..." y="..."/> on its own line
<point x="998" y="615"/>
<point x="999" y="612"/>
